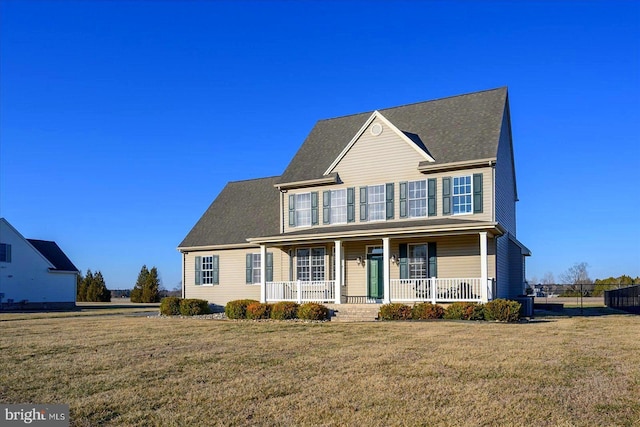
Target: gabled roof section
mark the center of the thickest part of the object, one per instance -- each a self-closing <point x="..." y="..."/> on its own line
<point x="242" y="209"/>
<point x="52" y="252"/>
<point x="403" y="136"/>
<point x="455" y="129"/>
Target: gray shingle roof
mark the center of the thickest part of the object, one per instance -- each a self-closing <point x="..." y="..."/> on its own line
<point x="458" y="128"/>
<point x="52" y="252"/>
<point x="242" y="209"/>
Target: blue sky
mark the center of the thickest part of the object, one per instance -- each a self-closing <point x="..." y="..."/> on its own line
<point x="121" y="121"/>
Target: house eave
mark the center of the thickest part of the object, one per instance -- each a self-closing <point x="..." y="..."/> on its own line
<point x="187" y="249"/>
<point x="325" y="180"/>
<point x="427" y="167"/>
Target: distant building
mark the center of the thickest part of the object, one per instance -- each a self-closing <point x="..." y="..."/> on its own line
<point x="34" y="274"/>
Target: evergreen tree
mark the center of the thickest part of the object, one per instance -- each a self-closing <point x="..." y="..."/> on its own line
<point x="136" y="292"/>
<point x="150" y="291"/>
<point x="86" y="284"/>
<point x="102" y="293"/>
<point x="81" y="291"/>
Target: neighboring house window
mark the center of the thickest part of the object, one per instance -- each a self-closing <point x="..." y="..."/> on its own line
<point x="417" y="261"/>
<point x="338" y="206"/>
<point x="310" y="264"/>
<point x="418" y="198"/>
<point x="303" y="210"/>
<point x="207" y="270"/>
<point x="5" y="252"/>
<point x="376" y="203"/>
<point x="462" y="195"/>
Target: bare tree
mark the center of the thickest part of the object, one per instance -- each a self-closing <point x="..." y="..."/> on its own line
<point x="575" y="276"/>
<point x="548" y="278"/>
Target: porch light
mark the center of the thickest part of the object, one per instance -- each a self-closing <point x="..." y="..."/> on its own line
<point x="394" y="259"/>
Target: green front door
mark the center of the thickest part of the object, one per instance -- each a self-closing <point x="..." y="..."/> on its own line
<point x="375" y="276"/>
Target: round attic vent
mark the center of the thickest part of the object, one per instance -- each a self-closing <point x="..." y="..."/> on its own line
<point x="376" y="129"/>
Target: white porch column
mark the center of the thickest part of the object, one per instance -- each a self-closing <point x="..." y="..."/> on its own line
<point x="386" y="274"/>
<point x="263" y="273"/>
<point x="338" y="269"/>
<point x="484" y="268"/>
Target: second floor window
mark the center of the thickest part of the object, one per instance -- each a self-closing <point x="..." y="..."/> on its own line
<point x="303" y="210"/>
<point x="5" y="252"/>
<point x="462" y="195"/>
<point x="376" y="203"/>
<point x="418" y="198"/>
<point x="338" y="206"/>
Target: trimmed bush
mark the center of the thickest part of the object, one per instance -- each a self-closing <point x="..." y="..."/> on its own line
<point x="426" y="310"/>
<point x="284" y="310"/>
<point x="258" y="310"/>
<point x="194" y="307"/>
<point x="170" y="306"/>
<point x="237" y="309"/>
<point x="313" y="311"/>
<point x="464" y="311"/>
<point x="502" y="310"/>
<point x="394" y="311"/>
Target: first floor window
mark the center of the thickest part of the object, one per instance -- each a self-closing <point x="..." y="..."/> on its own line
<point x="376" y="202"/>
<point x="310" y="264"/>
<point x="5" y="252"/>
<point x="338" y="206"/>
<point x="255" y="268"/>
<point x="417" y="261"/>
<point x="418" y="198"/>
<point x="462" y="195"/>
<point x="303" y="209"/>
<point x="207" y="270"/>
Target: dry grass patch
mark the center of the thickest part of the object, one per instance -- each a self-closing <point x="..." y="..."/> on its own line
<point x="141" y="371"/>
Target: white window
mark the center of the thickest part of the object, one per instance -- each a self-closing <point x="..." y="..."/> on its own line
<point x="418" y="198"/>
<point x="338" y="206"/>
<point x="255" y="268"/>
<point x="417" y="261"/>
<point x="207" y="270"/>
<point x="303" y="209"/>
<point x="5" y="252"/>
<point x="462" y="195"/>
<point x="310" y="264"/>
<point x="376" y="203"/>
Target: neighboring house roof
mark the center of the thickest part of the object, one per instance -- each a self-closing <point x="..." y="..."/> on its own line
<point x="454" y="129"/>
<point x="243" y="209"/>
<point x="52" y="252"/>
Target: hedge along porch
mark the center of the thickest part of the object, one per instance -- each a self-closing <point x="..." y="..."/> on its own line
<point x="435" y="266"/>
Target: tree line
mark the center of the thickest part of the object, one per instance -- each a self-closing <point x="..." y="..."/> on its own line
<point x="92" y="287"/>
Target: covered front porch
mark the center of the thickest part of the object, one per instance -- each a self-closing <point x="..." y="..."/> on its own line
<point x="434" y="266"/>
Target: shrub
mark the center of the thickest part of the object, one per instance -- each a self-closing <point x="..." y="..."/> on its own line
<point x="258" y="310"/>
<point x="502" y="310"/>
<point x="465" y="311"/>
<point x="284" y="310"/>
<point x="237" y="309"/>
<point x="313" y="311"/>
<point x="170" y="306"/>
<point x="426" y="310"/>
<point x="194" y="307"/>
<point x="394" y="311"/>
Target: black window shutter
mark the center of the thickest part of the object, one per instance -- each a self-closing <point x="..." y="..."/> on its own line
<point x="363" y="203"/>
<point x="477" y="193"/>
<point x="403" y="199"/>
<point x="292" y="210"/>
<point x="198" y="271"/>
<point x="269" y="267"/>
<point x="351" y="204"/>
<point x="433" y="260"/>
<point x="326" y="207"/>
<point x="389" y="200"/>
<point x="404" y="261"/>
<point x="249" y="270"/>
<point x="446" y="196"/>
<point x="216" y="270"/>
<point x="431" y="197"/>
<point x="314" y="208"/>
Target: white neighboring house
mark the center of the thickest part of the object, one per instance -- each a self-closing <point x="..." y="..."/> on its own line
<point x="34" y="274"/>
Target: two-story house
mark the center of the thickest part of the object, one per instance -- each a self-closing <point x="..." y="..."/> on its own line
<point x="405" y="204"/>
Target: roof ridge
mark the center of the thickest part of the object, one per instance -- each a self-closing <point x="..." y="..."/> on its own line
<point x="41" y="240"/>
<point x="414" y="103"/>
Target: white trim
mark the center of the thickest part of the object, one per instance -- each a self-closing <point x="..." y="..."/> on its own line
<point x="386" y="297"/>
<point x="263" y="273"/>
<point x="383" y="119"/>
<point x="484" y="267"/>
<point x="337" y="260"/>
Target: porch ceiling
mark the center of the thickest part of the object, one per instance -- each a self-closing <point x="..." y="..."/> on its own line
<point x="434" y="227"/>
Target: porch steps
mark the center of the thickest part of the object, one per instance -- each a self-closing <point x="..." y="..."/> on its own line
<point x="354" y="312"/>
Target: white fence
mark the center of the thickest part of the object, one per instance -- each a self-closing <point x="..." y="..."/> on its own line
<point x="436" y="289"/>
<point x="298" y="291"/>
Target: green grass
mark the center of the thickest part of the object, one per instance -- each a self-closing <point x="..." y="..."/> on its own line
<point x="137" y="371"/>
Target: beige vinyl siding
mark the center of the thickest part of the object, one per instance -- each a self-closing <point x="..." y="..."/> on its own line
<point x="388" y="159"/>
<point x="232" y="275"/>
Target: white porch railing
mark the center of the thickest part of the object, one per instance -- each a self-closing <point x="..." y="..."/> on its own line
<point x="298" y="291"/>
<point x="438" y="290"/>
